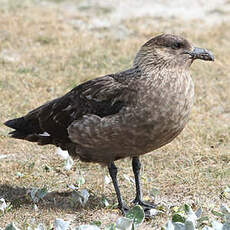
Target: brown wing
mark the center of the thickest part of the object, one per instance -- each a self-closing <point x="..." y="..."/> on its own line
<point x="102" y="97"/>
<point x="99" y="96"/>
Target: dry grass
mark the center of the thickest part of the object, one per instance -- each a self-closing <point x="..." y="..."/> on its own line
<point x="42" y="56"/>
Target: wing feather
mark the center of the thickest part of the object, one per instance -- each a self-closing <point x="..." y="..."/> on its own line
<point x="102" y="97"/>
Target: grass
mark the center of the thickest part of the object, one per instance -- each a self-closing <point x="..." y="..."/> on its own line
<point x="42" y="56"/>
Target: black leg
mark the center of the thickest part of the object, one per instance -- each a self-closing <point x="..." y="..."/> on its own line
<point x="138" y="199"/>
<point x="136" y="170"/>
<point x="113" y="173"/>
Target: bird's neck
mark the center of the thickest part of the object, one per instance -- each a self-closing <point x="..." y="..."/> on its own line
<point x="157" y="72"/>
<point x="177" y="81"/>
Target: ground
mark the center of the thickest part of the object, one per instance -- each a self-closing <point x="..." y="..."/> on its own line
<point x="48" y="47"/>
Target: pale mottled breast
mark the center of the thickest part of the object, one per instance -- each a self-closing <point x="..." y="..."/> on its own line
<point x="164" y="103"/>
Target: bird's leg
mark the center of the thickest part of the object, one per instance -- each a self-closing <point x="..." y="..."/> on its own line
<point x="138" y="199"/>
<point x="113" y="173"/>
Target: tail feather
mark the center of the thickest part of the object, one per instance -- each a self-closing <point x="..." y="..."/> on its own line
<point x="28" y="129"/>
<point x="18" y="124"/>
<point x="41" y="140"/>
<point x="17" y="134"/>
<point x="26" y="125"/>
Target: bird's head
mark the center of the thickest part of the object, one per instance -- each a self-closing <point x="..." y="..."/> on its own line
<point x="169" y="51"/>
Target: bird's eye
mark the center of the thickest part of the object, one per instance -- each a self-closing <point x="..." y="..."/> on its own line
<point x="177" y="45"/>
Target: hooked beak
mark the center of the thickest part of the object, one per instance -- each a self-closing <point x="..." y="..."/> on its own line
<point x="199" y="53"/>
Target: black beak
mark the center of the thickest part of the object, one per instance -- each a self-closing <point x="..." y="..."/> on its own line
<point x="199" y="53"/>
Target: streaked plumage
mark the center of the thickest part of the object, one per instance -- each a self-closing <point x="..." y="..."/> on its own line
<point x="120" y="115"/>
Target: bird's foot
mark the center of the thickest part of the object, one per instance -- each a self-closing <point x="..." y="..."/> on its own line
<point x="146" y="207"/>
<point x="143" y="204"/>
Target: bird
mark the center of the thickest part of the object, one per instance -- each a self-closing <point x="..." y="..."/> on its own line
<point x="120" y="115"/>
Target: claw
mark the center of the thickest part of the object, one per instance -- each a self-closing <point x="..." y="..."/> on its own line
<point x="144" y="205"/>
<point x="124" y="210"/>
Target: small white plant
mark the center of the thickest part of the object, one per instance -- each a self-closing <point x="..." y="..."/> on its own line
<point x="80" y="197"/>
<point x="191" y="220"/>
<point x="11" y="226"/>
<point x="40" y="227"/>
<point x="36" y="194"/>
<point x="87" y="227"/>
<point x="66" y="157"/>
<point x="60" y="224"/>
<point x="107" y="180"/>
<point x="131" y="221"/>
<point x="3" y="205"/>
<point x="185" y="219"/>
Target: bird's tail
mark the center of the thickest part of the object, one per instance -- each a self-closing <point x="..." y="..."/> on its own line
<point x="25" y="129"/>
<point x="20" y="127"/>
<point x="17" y="123"/>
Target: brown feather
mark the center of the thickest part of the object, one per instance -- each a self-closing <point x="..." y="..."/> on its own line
<point x="120" y="115"/>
